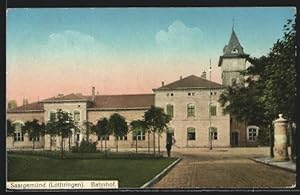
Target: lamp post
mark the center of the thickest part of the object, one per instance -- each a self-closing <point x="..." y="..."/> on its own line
<point x="209" y="109"/>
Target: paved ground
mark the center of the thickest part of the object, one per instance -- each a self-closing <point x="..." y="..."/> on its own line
<point x="230" y="167"/>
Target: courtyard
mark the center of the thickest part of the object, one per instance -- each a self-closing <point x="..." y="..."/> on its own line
<point x="224" y="168"/>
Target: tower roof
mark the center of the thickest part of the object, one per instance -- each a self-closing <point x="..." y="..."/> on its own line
<point x="234" y="47"/>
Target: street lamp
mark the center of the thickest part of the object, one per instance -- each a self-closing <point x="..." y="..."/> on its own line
<point x="209" y="109"/>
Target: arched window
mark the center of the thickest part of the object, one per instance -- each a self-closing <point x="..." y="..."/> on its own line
<point x="190" y="110"/>
<point x="191" y="133"/>
<point x="76" y="116"/>
<point x="213" y="133"/>
<point x="18" y="135"/>
<point x="170" y="110"/>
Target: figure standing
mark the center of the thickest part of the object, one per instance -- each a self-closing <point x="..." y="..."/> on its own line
<point x="169" y="147"/>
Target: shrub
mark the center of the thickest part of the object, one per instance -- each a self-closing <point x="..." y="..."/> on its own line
<point x="85" y="147"/>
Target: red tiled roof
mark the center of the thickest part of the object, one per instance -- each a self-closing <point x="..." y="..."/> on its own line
<point x="122" y="101"/>
<point x="35" y="106"/>
<point x="72" y="96"/>
<point x="190" y="82"/>
<point x="101" y="102"/>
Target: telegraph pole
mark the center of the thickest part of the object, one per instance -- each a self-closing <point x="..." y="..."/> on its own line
<point x="209" y="109"/>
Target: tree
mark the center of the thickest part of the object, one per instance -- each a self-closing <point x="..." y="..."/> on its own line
<point x="10" y="129"/>
<point x="118" y="126"/>
<point x="62" y="126"/>
<point x="102" y="131"/>
<point x="157" y="122"/>
<point x="51" y="129"/>
<point x="138" y="126"/>
<point x="88" y="127"/>
<point x="34" y="130"/>
<point x="12" y="104"/>
<point x="270" y="87"/>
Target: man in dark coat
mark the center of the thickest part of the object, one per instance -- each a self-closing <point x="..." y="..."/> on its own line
<point x="169" y="147"/>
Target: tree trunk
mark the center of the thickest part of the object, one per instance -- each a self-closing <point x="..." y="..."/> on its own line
<point x="154" y="143"/>
<point x="105" y="145"/>
<point x="69" y="142"/>
<point x="50" y="142"/>
<point x="148" y="142"/>
<point x="61" y="147"/>
<point x="117" y="144"/>
<point x="32" y="143"/>
<point x="136" y="142"/>
<point x="101" y="138"/>
<point x="158" y="141"/>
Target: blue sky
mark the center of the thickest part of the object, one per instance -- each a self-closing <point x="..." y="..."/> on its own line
<point x="162" y="43"/>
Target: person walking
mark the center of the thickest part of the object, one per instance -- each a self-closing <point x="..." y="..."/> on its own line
<point x="169" y="147"/>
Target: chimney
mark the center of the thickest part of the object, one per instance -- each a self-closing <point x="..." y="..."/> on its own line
<point x="25" y="101"/>
<point x="162" y="83"/>
<point x="180" y="77"/>
<point x="203" y="76"/>
<point x="93" y="93"/>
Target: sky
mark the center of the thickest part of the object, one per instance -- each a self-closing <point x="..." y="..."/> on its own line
<point x="52" y="51"/>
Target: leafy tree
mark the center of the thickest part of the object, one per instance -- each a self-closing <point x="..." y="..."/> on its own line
<point x="156" y="121"/>
<point x="270" y="88"/>
<point x="51" y="129"/>
<point x="137" y="126"/>
<point x="34" y="130"/>
<point x="61" y="126"/>
<point x="118" y="126"/>
<point x="10" y="129"/>
<point x="88" y="127"/>
<point x="102" y="131"/>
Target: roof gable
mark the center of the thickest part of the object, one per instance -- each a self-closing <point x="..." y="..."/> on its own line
<point x="191" y="82"/>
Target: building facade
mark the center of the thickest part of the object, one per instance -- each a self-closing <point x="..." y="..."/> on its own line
<point x="192" y="102"/>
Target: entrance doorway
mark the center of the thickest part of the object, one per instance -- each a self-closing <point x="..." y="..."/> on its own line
<point x="234" y="139"/>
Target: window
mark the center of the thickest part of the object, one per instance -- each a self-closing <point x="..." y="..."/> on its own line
<point x="168" y="94"/>
<point x="18" y="135"/>
<point x="213" y="133"/>
<point x="76" y="116"/>
<point x="213" y="110"/>
<point x="233" y="81"/>
<point x="122" y="137"/>
<point x="52" y="115"/>
<point x="193" y="93"/>
<point x="172" y="94"/>
<point x="170" y="110"/>
<point x="191" y="134"/>
<point x="190" y="110"/>
<point x="189" y="94"/>
<point x="235" y="50"/>
<point x="139" y="135"/>
<point x="252" y="133"/>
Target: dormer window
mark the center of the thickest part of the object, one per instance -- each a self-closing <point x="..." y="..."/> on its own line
<point x="235" y="50"/>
